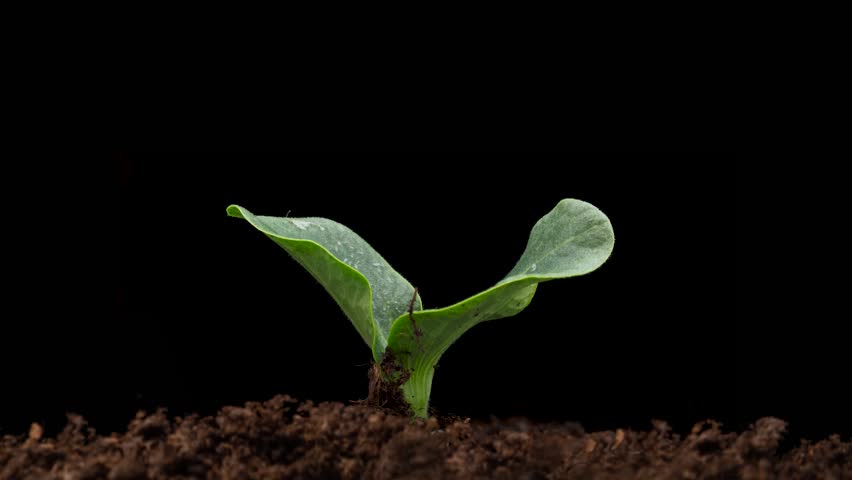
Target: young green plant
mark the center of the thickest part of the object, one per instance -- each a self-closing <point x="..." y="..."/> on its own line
<point x="575" y="238"/>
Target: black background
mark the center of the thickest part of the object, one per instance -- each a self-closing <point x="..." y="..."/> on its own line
<point x="177" y="305"/>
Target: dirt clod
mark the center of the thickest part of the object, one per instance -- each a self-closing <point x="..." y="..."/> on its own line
<point x="35" y="432"/>
<point x="282" y="439"/>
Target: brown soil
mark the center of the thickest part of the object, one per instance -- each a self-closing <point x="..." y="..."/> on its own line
<point x="284" y="439"/>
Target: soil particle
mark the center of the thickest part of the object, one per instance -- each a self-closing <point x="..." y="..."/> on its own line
<point x="283" y="439"/>
<point x="385" y="380"/>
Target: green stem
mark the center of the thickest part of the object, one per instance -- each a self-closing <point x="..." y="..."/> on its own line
<point x="418" y="387"/>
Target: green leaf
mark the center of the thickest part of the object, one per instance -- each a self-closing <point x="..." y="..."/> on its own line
<point x="573" y="239"/>
<point x="370" y="292"/>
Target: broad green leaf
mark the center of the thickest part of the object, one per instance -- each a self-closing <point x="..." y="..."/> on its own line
<point x="573" y="239"/>
<point x="370" y="292"/>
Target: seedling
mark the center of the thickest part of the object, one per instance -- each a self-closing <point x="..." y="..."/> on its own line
<point x="575" y="238"/>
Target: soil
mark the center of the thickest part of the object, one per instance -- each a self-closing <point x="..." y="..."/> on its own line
<point x="282" y="438"/>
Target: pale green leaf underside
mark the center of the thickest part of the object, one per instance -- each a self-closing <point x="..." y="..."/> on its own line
<point x="573" y="239"/>
<point x="370" y="292"/>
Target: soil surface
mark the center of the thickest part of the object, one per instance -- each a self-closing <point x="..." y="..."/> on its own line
<point x="282" y="438"/>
